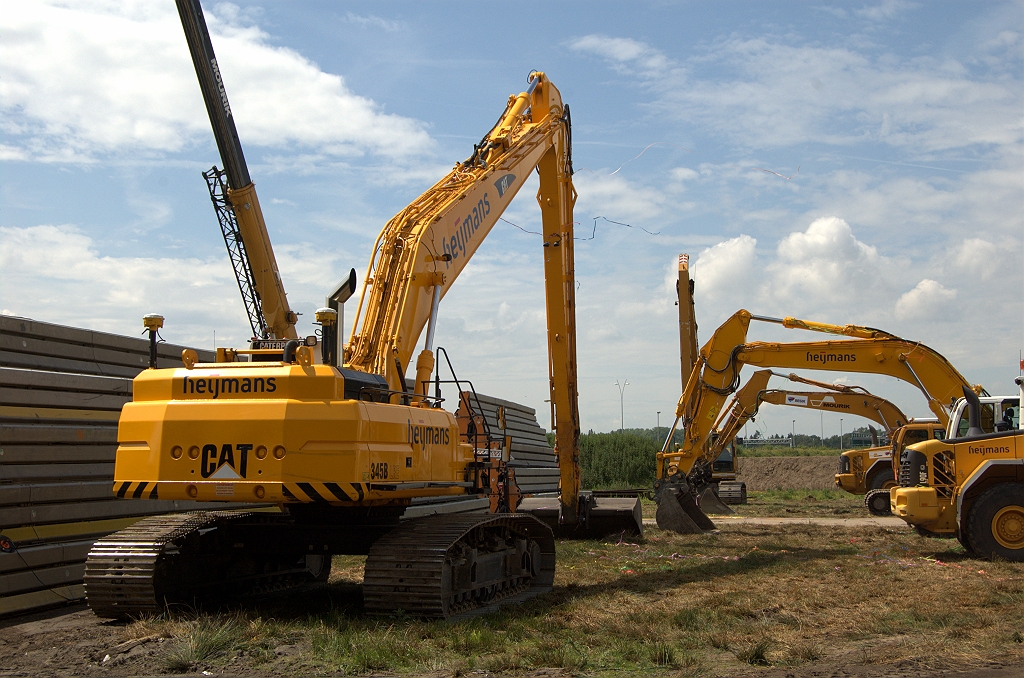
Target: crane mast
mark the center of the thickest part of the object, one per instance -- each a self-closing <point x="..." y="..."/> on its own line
<point x="238" y="208"/>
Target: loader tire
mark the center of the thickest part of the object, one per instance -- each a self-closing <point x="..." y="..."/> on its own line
<point x="995" y="525"/>
<point x="962" y="538"/>
<point x="877" y="503"/>
<point x="883" y="480"/>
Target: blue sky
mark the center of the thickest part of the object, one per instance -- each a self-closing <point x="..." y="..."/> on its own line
<point x="846" y="162"/>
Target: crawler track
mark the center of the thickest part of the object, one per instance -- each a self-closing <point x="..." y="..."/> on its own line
<point x="455" y="566"/>
<point x="443" y="566"/>
<point x="183" y="559"/>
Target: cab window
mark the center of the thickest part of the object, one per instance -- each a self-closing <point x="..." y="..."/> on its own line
<point x="939" y="433"/>
<point x="1009" y="411"/>
<point x="914" y="436"/>
<point x="988" y="420"/>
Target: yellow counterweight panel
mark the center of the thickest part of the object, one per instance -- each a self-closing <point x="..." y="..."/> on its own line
<point x="281" y="433"/>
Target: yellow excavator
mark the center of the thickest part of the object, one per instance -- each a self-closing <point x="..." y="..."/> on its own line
<point x="850" y="400"/>
<point x="341" y="448"/>
<point x="865" y="471"/>
<point x="717" y="375"/>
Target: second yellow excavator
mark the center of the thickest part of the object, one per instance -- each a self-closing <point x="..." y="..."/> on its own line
<point x="717" y="375"/>
<point x="863" y="471"/>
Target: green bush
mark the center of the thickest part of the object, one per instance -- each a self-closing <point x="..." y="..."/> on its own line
<point x="617" y="460"/>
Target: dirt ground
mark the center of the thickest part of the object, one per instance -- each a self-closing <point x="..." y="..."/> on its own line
<point x="755" y="600"/>
<point x="784" y="473"/>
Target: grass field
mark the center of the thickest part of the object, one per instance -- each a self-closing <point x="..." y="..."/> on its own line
<point x="717" y="604"/>
<point x="802" y="599"/>
<point x="786" y="451"/>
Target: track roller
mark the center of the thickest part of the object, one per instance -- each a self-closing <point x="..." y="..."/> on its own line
<point x="453" y="566"/>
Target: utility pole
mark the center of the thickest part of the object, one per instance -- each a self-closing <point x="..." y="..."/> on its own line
<point x="622" y="410"/>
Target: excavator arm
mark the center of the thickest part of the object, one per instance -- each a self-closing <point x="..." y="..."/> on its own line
<point x="851" y="400"/>
<point x="423" y="249"/>
<point x="869" y="351"/>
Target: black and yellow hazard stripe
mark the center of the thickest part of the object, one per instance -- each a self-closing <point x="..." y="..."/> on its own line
<point x="136" y="490"/>
<point x="331" y="493"/>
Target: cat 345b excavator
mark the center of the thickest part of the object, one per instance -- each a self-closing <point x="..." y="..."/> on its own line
<point x="342" y="450"/>
<point x="716" y="375"/>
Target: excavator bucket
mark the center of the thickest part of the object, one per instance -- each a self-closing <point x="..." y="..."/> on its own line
<point x="711" y="504"/>
<point x="602" y="516"/>
<point x="678" y="512"/>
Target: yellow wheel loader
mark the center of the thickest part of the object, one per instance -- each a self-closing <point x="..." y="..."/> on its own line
<point x="971" y="484"/>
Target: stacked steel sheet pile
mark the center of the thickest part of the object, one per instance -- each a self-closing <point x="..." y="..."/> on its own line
<point x="61" y="392"/>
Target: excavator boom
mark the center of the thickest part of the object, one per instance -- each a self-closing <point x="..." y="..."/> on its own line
<point x="688" y="347"/>
<point x="871" y="351"/>
<point x="851" y="400"/>
<point x="424" y="248"/>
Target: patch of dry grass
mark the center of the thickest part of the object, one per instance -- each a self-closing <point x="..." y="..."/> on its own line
<point x="791" y="504"/>
<point x="746" y="597"/>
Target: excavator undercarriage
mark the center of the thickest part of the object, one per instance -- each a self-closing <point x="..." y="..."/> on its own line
<point x="439" y="566"/>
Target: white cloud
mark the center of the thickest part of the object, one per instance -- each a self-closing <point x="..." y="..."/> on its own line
<point x="826" y="273"/>
<point x="616" y="198"/>
<point x="623" y="52"/>
<point x="762" y="92"/>
<point x="94" y="78"/>
<point x="373" y="21"/>
<point x="885" y="10"/>
<point x="828" y="264"/>
<point x="683" y="174"/>
<point x="57" y="274"/>
<point x="725" y="270"/>
<point x="982" y="260"/>
<point x="928" y="300"/>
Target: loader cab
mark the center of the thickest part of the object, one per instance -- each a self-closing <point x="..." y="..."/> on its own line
<point x="998" y="413"/>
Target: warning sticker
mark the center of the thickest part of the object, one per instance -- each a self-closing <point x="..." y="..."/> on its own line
<point x="224" y="490"/>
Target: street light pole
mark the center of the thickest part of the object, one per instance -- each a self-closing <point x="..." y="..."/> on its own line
<point x="659" y="420"/>
<point x="840" y="434"/>
<point x="792" y="437"/>
<point x="622" y="410"/>
<point x="821" y="420"/>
